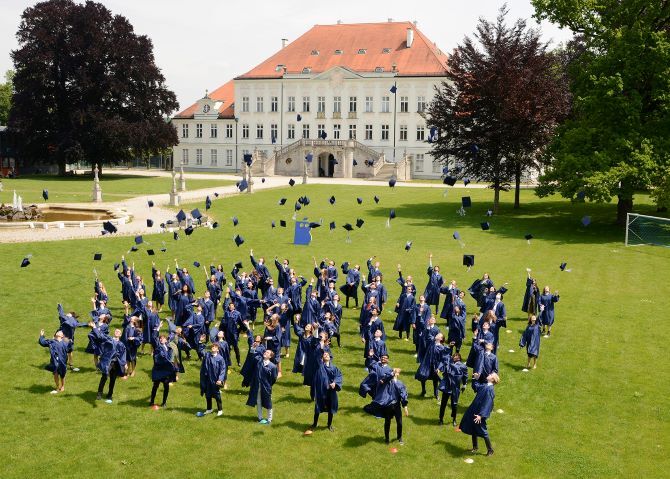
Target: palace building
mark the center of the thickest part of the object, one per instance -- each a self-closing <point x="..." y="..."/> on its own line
<point x="344" y="100"/>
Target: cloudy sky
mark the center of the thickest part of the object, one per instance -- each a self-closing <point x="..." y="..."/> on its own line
<point x="201" y="44"/>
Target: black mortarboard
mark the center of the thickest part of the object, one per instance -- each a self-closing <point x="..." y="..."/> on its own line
<point x="150" y="223"/>
<point x="563" y="266"/>
<point x="151" y="252"/>
<point x="299" y="117"/>
<point x="466" y="202"/>
<point x="181" y="216"/>
<point x="282" y="202"/>
<point x="291" y="182"/>
<point x="208" y="203"/>
<point x="529" y="236"/>
<point x="238" y="240"/>
<point x="196" y="264"/>
<point x="348" y="227"/>
<point x="314" y="225"/>
<point x="449" y="180"/>
<point x="376" y="199"/>
<point x="456" y="235"/>
<point x="248" y="158"/>
<point x="262" y="180"/>
<point x="97" y="256"/>
<point x="355" y="163"/>
<point x="332" y="200"/>
<point x="139" y="240"/>
<point x="297" y="206"/>
<point x="392" y="181"/>
<point x="332" y="225"/>
<point x="273" y="224"/>
<point x="282" y="223"/>
<point x="216" y="194"/>
<point x="392" y="214"/>
<point x="196" y="214"/>
<point x="466" y="181"/>
<point x="485" y="225"/>
<point x="150" y="203"/>
<point x="359" y="200"/>
<point x="133" y="248"/>
<point x="235" y="221"/>
<point x="109" y="227"/>
<point x="408" y="245"/>
<point x="45" y="194"/>
<point x="305" y="200"/>
<point x="243" y="185"/>
<point x="215" y="225"/>
<point x="116" y="266"/>
<point x="188" y="230"/>
<point x="359" y="222"/>
<point x="239" y="265"/>
<point x="175" y="236"/>
<point x="393" y="89"/>
<point x="468" y="260"/>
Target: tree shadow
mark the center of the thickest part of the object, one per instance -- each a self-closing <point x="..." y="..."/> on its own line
<point x="451" y="449"/>
<point x="39" y="389"/>
<point x="292" y="398"/>
<point x="359" y="440"/>
<point x="514" y="366"/>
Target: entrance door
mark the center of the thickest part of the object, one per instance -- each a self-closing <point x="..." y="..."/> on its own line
<point x="331" y="165"/>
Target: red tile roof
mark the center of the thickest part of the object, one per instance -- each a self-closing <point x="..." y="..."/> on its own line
<point x="225" y="94"/>
<point x="423" y="58"/>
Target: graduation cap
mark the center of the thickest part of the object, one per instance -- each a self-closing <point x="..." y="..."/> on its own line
<point x="528" y="237"/>
<point x="248" y="158"/>
<point x="393" y="89"/>
<point x="332" y="200"/>
<point x="235" y="221"/>
<point x="469" y="260"/>
<point x="359" y="200"/>
<point x="139" y="240"/>
<point x="109" y="227"/>
<point x="151" y="252"/>
<point x="150" y="223"/>
<point x="392" y="181"/>
<point x="485" y="225"/>
<point x="208" y="203"/>
<point x="348" y="227"/>
<point x="314" y="225"/>
<point x="181" y="216"/>
<point x="408" y="246"/>
<point x="291" y="182"/>
<point x="376" y="199"/>
<point x="489" y="212"/>
<point x="273" y="224"/>
<point x="466" y="202"/>
<point x="164" y="248"/>
<point x="239" y="265"/>
<point x="97" y="256"/>
<point x="25" y="262"/>
<point x="189" y="231"/>
<point x="297" y="206"/>
<point x="243" y="185"/>
<point x="150" y="203"/>
<point x="332" y="225"/>
<point x="282" y="202"/>
<point x="116" y="266"/>
<point x="196" y="214"/>
<point x="359" y="222"/>
<point x="466" y="181"/>
<point x="563" y="266"/>
<point x="215" y="225"/>
<point x="282" y="223"/>
<point x="299" y="117"/>
<point x="456" y="235"/>
<point x="323" y="135"/>
<point x="175" y="236"/>
<point x="345" y="266"/>
<point x="216" y="194"/>
<point x="45" y="194"/>
<point x="196" y="264"/>
<point x="305" y="200"/>
<point x="238" y="240"/>
<point x="133" y="249"/>
<point x="355" y="163"/>
<point x="586" y="220"/>
<point x="449" y="180"/>
<point x="392" y="214"/>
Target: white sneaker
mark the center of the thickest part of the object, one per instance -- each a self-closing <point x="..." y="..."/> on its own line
<point x="209" y="411"/>
<point x="75" y="370"/>
<point x="220" y="413"/>
<point x="524" y="370"/>
<point x="55" y="391"/>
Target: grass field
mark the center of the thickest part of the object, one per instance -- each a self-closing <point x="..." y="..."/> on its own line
<point x="77" y="189"/>
<point x="595" y="407"/>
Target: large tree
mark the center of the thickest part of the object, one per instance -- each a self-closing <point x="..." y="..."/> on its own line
<point x="86" y="87"/>
<point x="617" y="140"/>
<point x="504" y="96"/>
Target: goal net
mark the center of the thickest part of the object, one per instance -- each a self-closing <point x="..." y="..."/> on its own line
<point x="647" y="230"/>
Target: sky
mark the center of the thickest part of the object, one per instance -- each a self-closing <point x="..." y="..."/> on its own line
<point x="201" y="44"/>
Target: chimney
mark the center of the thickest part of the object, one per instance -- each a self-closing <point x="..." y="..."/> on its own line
<point x="410" y="37"/>
<point x="284" y="41"/>
<point x="339" y="22"/>
<point x="415" y="23"/>
<point x="390" y="20"/>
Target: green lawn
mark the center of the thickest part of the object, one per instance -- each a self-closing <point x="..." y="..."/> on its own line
<point x="595" y="407"/>
<point x="77" y="189"/>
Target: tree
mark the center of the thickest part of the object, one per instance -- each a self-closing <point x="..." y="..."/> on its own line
<point x="86" y="87"/>
<point x="617" y="140"/>
<point x="503" y="98"/>
<point x="6" y="97"/>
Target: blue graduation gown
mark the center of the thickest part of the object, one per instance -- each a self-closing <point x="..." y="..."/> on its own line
<point x="263" y="273"/>
<point x="482" y="405"/>
<point x="406" y="312"/>
<point x="530" y="339"/>
<point x="454" y="377"/>
<point x="249" y="366"/>
<point x="294" y="293"/>
<point x="530" y="298"/>
<point x="430" y="362"/>
<point x="93" y="346"/>
<point x="163" y="366"/>
<point x="231" y="324"/>
<point x="274" y="343"/>
<point x="131" y="344"/>
<point x="158" y="293"/>
<point x="314" y="359"/>
<point x="264" y="377"/>
<point x="283" y="276"/>
<point x="378" y="350"/>
<point x="432" y="291"/>
<point x="68" y="324"/>
<point x="325" y="397"/>
<point x="302" y="350"/>
<point x="486" y="364"/>
<point x="373" y="271"/>
<point x="213" y="369"/>
<point x="425" y="341"/>
<point x="186" y="279"/>
<point x="311" y="308"/>
<point x="127" y="289"/>
<point x="451" y="295"/>
<point x="350" y="289"/>
<point x="57" y="355"/>
<point x="456" y="328"/>
<point x="174" y="291"/>
<point x="548" y="301"/>
<point x="112" y="353"/>
<point x="368" y="333"/>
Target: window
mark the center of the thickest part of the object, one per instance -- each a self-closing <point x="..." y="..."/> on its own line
<point x="404" y="104"/>
<point x="259" y="131"/>
<point x="198" y="156"/>
<point x="352" y="132"/>
<point x="321" y="104"/>
<point x="273" y="132"/>
<point x="307" y="70"/>
<point x="198" y="130"/>
<point x="386" y="104"/>
<point x="437" y="166"/>
<point x="379" y="69"/>
<point x="385" y="132"/>
<point x="421" y="104"/>
<point x="229" y="157"/>
<point x="418" y="162"/>
<point x="420" y="133"/>
<point x="368" y="132"/>
<point x="184" y="130"/>
<point x="336" y="131"/>
<point x="352" y="104"/>
<point x="337" y="107"/>
<point x="320" y="130"/>
<point x="368" y="104"/>
<point x="184" y="156"/>
<point x="338" y="52"/>
<point x="245" y="104"/>
<point x="361" y="51"/>
<point x="403" y="132"/>
<point x="213" y="157"/>
<point x="386" y="51"/>
<point x="305" y="131"/>
<point x="229" y="131"/>
<point x="291" y="103"/>
<point x="274" y="104"/>
<point x="291" y="132"/>
<point x="305" y="104"/>
<point x="315" y="52"/>
<point x="245" y="131"/>
<point x="259" y="104"/>
<point x="213" y="130"/>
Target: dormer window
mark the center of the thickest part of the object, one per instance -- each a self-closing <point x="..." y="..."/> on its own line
<point x="386" y="50"/>
<point x="280" y="67"/>
<point x="379" y="69"/>
<point x="362" y="51"/>
<point x="338" y="52"/>
<point x="315" y="52"/>
<point x="307" y="70"/>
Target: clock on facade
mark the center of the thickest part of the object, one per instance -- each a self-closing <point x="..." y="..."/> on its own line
<point x="205" y="109"/>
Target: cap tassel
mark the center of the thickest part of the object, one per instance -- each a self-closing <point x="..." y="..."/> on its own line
<point x="388" y="222"/>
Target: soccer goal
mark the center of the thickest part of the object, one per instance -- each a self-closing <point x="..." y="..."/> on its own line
<point x="647" y="230"/>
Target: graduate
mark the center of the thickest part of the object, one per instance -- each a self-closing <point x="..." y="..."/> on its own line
<point x="303" y="349"/>
<point x="283" y="273"/>
<point x="294" y="292"/>
<point x="451" y="293"/>
<point x="335" y="309"/>
<point x="132" y="338"/>
<point x="406" y="314"/>
<point x="68" y="325"/>
<point x="58" y="351"/>
<point x="479" y="289"/>
<point x="531" y="297"/>
<point x="312" y="308"/>
<point x="184" y="277"/>
<point x="495" y="324"/>
<point x="530" y="339"/>
<point x="250" y="294"/>
<point x="194" y="328"/>
<point x="546" y="305"/>
<point x="214" y="288"/>
<point x="212" y="376"/>
<point x="435" y="282"/>
<point x="318" y="346"/>
<point x="421" y="316"/>
<point x="453" y="382"/>
<point x="368" y="330"/>
<point x="382" y="292"/>
<point x="405" y="282"/>
<point x="486" y="364"/>
<point x="350" y="288"/>
<point x="263" y="272"/>
<point x="327" y="382"/>
<point x="183" y="306"/>
<point x="151" y="324"/>
<point x="163" y="370"/>
<point x="93" y="347"/>
<point x="231" y="324"/>
<point x="377" y="349"/>
<point x="322" y="280"/>
<point x="158" y="292"/>
<point x="284" y="312"/>
<point x="224" y="351"/>
<point x="373" y="270"/>
<point x="430" y="363"/>
<point x="208" y="311"/>
<point x="100" y="293"/>
<point x="456" y="333"/>
<point x="263" y="377"/>
<point x="272" y="338"/>
<point x="473" y="422"/>
<point x="174" y="292"/>
<point x="127" y="279"/>
<point x="112" y="362"/>
<point x="427" y="338"/>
